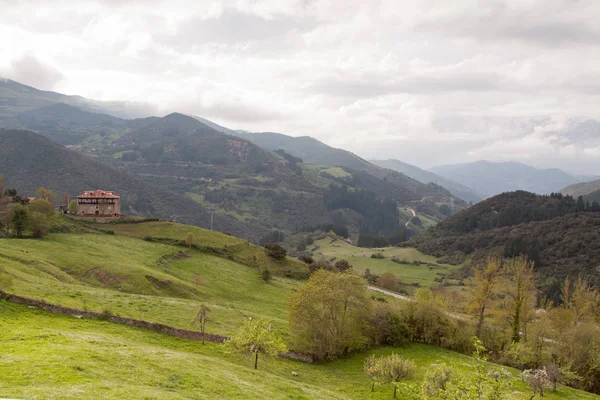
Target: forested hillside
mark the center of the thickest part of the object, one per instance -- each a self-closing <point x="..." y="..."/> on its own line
<point x="28" y="161"/>
<point x="256" y="189"/>
<point x="512" y="208"/>
<point x="558" y="232"/>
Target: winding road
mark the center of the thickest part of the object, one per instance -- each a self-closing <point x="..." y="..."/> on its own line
<point x="414" y="214"/>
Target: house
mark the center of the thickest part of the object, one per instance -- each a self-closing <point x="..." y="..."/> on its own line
<point x="98" y="203"/>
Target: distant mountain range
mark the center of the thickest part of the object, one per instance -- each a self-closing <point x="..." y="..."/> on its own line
<point x="16" y="98"/>
<point x="491" y="178"/>
<point x="185" y="168"/>
<point x="457" y="189"/>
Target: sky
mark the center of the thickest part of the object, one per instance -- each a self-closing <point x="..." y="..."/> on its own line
<point x="427" y="82"/>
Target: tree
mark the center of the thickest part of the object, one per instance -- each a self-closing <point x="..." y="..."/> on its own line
<point x="255" y="338"/>
<point x="39" y="224"/>
<point x="190" y="240"/>
<point x="329" y="313"/>
<point x="388" y="281"/>
<point x="482" y="290"/>
<point x="73" y="207"/>
<point x="520" y="288"/>
<point x="42" y="206"/>
<point x="47" y="195"/>
<point x="19" y="217"/>
<point x="388" y="369"/>
<point x="202" y="318"/>
<point x="537" y="379"/>
<point x="198" y="281"/>
<point x="342" y="265"/>
<point x="275" y="251"/>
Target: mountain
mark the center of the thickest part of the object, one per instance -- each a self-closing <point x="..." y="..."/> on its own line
<point x="458" y="190"/>
<point x="16" y="98"/>
<point x="559" y="233"/>
<point x="582" y="188"/>
<point x="28" y="161"/>
<point x="66" y="124"/>
<point x="223" y="172"/>
<point x="491" y="178"/>
<point x="313" y="151"/>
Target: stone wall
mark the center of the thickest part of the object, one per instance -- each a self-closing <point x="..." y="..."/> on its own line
<point x="152" y="326"/>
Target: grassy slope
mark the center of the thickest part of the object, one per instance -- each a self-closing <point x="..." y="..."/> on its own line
<point x="236" y="247"/>
<point x="61" y="269"/>
<point x="360" y="258"/>
<point x="51" y="356"/>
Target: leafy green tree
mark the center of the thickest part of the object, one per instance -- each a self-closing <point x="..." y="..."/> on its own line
<point x="342" y="265"/>
<point x="329" y="314"/>
<point x="42" y="206"/>
<point x="19" y="218"/>
<point x="39" y="224"/>
<point x="520" y="289"/>
<point x="388" y="281"/>
<point x="73" y="207"/>
<point x="275" y="251"/>
<point x="482" y="290"/>
<point x="47" y="195"/>
<point x="255" y="338"/>
<point x="202" y="318"/>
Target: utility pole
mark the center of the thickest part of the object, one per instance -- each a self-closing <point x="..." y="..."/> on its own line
<point x="212" y="214"/>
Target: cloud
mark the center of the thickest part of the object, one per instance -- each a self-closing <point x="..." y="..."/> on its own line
<point x="34" y="72"/>
<point x="426" y="81"/>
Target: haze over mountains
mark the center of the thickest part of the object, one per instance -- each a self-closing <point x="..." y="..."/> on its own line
<point x="93" y="126"/>
<point x="489" y="178"/>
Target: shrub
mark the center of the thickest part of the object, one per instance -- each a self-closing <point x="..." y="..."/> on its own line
<point x="306" y="259"/>
<point x="265" y="274"/>
<point x="378" y="256"/>
<point x="436" y="380"/>
<point x="275" y="251"/>
<point x="342" y="265"/>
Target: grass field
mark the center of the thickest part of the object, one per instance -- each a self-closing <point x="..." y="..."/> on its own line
<point x="60" y="357"/>
<point x="238" y="248"/>
<point x="360" y="258"/>
<point x="145" y="280"/>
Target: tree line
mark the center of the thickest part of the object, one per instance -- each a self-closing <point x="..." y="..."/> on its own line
<point x="19" y="216"/>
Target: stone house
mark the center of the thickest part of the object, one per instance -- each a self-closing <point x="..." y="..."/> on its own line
<point x="99" y="203"/>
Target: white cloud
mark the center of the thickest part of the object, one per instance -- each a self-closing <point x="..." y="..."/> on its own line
<point x="427" y="81"/>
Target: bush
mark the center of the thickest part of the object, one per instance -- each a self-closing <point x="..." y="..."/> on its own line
<point x="377" y="256"/>
<point x="265" y="275"/>
<point x="275" y="251"/>
<point x="342" y="265"/>
<point x="436" y="380"/>
<point x="306" y="259"/>
<point x="388" y="281"/>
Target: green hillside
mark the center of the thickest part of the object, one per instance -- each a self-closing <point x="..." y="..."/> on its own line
<point x="408" y="264"/>
<point x="147" y="280"/>
<point x="76" y="359"/>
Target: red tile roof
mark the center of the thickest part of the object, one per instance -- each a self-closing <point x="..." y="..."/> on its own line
<point x="98" y="194"/>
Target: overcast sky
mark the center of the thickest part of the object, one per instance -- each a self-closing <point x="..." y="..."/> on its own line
<point x="427" y="82"/>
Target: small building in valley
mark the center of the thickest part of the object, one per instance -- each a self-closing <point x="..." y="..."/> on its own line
<point x="98" y="203"/>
